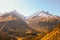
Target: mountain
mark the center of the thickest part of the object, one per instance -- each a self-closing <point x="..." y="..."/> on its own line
<point x="14" y="14"/>
<point x="53" y="35"/>
<point x="11" y="14"/>
<point x="39" y="25"/>
<point x="42" y="13"/>
<point x="13" y="23"/>
<point x="43" y="21"/>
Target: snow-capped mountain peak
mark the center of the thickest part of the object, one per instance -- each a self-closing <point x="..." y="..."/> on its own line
<point x="43" y="14"/>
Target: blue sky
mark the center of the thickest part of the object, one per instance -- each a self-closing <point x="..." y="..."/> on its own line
<point x="28" y="7"/>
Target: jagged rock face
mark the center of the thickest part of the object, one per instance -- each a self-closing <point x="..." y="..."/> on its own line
<point x="43" y="22"/>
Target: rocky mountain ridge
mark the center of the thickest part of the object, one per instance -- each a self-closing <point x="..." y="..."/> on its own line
<point x="14" y="24"/>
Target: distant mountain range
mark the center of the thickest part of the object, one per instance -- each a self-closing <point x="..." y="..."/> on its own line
<point x="13" y="23"/>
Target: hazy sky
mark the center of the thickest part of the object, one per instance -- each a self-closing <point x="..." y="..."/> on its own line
<point x="28" y="7"/>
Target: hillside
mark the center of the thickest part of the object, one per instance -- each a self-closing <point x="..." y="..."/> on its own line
<point x="43" y="21"/>
<point x="14" y="24"/>
<point x="40" y="26"/>
<point x="53" y="35"/>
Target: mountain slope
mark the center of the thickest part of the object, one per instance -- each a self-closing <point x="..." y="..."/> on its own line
<point x="43" y="21"/>
<point x="54" y="35"/>
<point x="13" y="23"/>
<point x="35" y="27"/>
